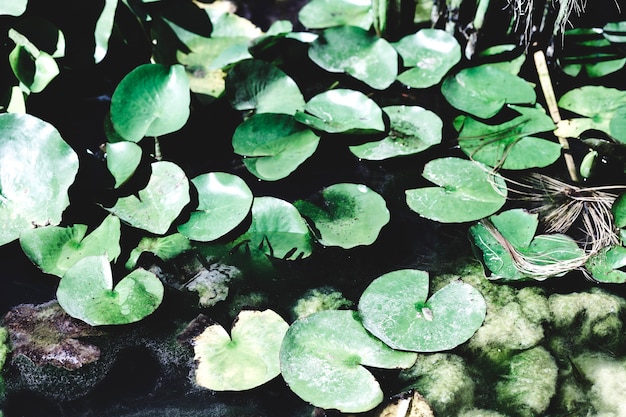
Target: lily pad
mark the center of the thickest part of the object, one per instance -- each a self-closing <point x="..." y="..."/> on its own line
<point x="224" y="200"/>
<point x="483" y="90"/>
<point x="249" y="357"/>
<point x="357" y="52"/>
<point x="590" y="51"/>
<point x="430" y="54"/>
<point x="413" y="129"/>
<point x="509" y="145"/>
<point x="348" y="215"/>
<point x="13" y="8"/>
<point x="258" y="85"/>
<point x="278" y="229"/>
<point x="466" y="191"/>
<point x="342" y="111"/>
<point x="273" y="144"/>
<point x="395" y="308"/>
<point x="159" y="203"/>
<point x="166" y="248"/>
<point x="33" y="67"/>
<point x="619" y="211"/>
<point x="151" y="100"/>
<point x="608" y="265"/>
<point x="55" y="249"/>
<point x="511" y="251"/>
<point x="86" y="292"/>
<point x="321" y="14"/>
<point x="323" y="359"/>
<point x="37" y="167"/>
<point x="122" y="160"/>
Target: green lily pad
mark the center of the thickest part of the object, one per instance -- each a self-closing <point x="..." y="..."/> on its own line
<point x="413" y="129"/>
<point x="342" y="111"/>
<point x="103" y="29"/>
<point x="466" y="191"/>
<point x="260" y="86"/>
<point x="395" y="308"/>
<point x="606" y="266"/>
<point x="86" y="292"/>
<point x="323" y="359"/>
<point x="224" y="200"/>
<point x="249" y="357"/>
<point x="483" y="90"/>
<point x="13" y="8"/>
<point x="619" y="211"/>
<point x="122" y="160"/>
<point x="33" y="67"/>
<point x="511" y="251"/>
<point x="357" y="52"/>
<point x="273" y="144"/>
<point x="55" y="249"/>
<point x="348" y="215"/>
<point x="159" y="203"/>
<point x="321" y="14"/>
<point x="165" y="247"/>
<point x="30" y="148"/>
<point x="510" y="145"/>
<point x="501" y="51"/>
<point x="430" y="54"/>
<point x="589" y="51"/>
<point x="278" y="229"/>
<point x="615" y="32"/>
<point x="151" y="100"/>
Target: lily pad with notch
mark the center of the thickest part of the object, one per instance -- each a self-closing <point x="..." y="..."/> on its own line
<point x="395" y="308"/>
<point x="466" y="191"/>
<point x="86" y="292"/>
<point x="245" y="359"/>
<point x="342" y="111"/>
<point x="273" y="144"/>
<point x="413" y="129"/>
<point x="357" y="52"/>
<point x="55" y="249"/>
<point x="324" y="357"/>
<point x="348" y="215"/>
<point x="122" y="160"/>
<point x="224" y="201"/>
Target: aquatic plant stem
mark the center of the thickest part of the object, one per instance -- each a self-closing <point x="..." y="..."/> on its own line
<point x="553" y="108"/>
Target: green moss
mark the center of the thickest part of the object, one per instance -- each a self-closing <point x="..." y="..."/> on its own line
<point x="530" y="383"/>
<point x="4" y="346"/>
<point x="319" y="299"/>
<point x="443" y="379"/>
<point x="477" y="412"/>
<point x="607" y="376"/>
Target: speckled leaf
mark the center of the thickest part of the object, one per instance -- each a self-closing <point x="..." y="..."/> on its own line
<point x="608" y="265"/>
<point x="395" y="308"/>
<point x="249" y="357"/>
<point x="323" y="359"/>
<point x="86" y="292"/>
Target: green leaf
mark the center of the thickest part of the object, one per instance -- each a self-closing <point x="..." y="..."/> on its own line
<point x="482" y="91"/>
<point x="358" y="53"/>
<point x="13" y="7"/>
<point x="37" y="168"/>
<point x="278" y="229"/>
<point x="606" y="266"/>
<point x="615" y="32"/>
<point x="55" y="249"/>
<point x="413" y="129"/>
<point x="249" y="357"/>
<point x="323" y="359"/>
<point x="509" y="144"/>
<point x="224" y="200"/>
<point x="321" y="14"/>
<point x="158" y="205"/>
<point x="86" y="292"/>
<point x="151" y="100"/>
<point x="122" y="160"/>
<point x="619" y="211"/>
<point x="258" y="85"/>
<point x="466" y="191"/>
<point x="348" y="215"/>
<point x="589" y="51"/>
<point x="395" y="308"/>
<point x="166" y="248"/>
<point x="430" y="53"/>
<point x="342" y="111"/>
<point x="33" y="67"/>
<point x="273" y="144"/>
<point x="103" y="29"/>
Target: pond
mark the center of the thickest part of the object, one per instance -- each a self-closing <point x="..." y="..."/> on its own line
<point x="356" y="207"/>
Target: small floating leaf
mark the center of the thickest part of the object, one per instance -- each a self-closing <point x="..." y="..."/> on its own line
<point x="320" y="14"/>
<point x="608" y="265"/>
<point x="122" y="160"/>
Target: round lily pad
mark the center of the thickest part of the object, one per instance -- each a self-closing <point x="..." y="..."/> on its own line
<point x="466" y="191"/>
<point x="323" y="359"/>
<point x="224" y="200"/>
<point x="86" y="292"/>
<point x="122" y="160"/>
<point x="348" y="215"/>
<point x="320" y="14"/>
<point x="37" y="167"/>
<point x="395" y="308"/>
<point x="249" y="357"/>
